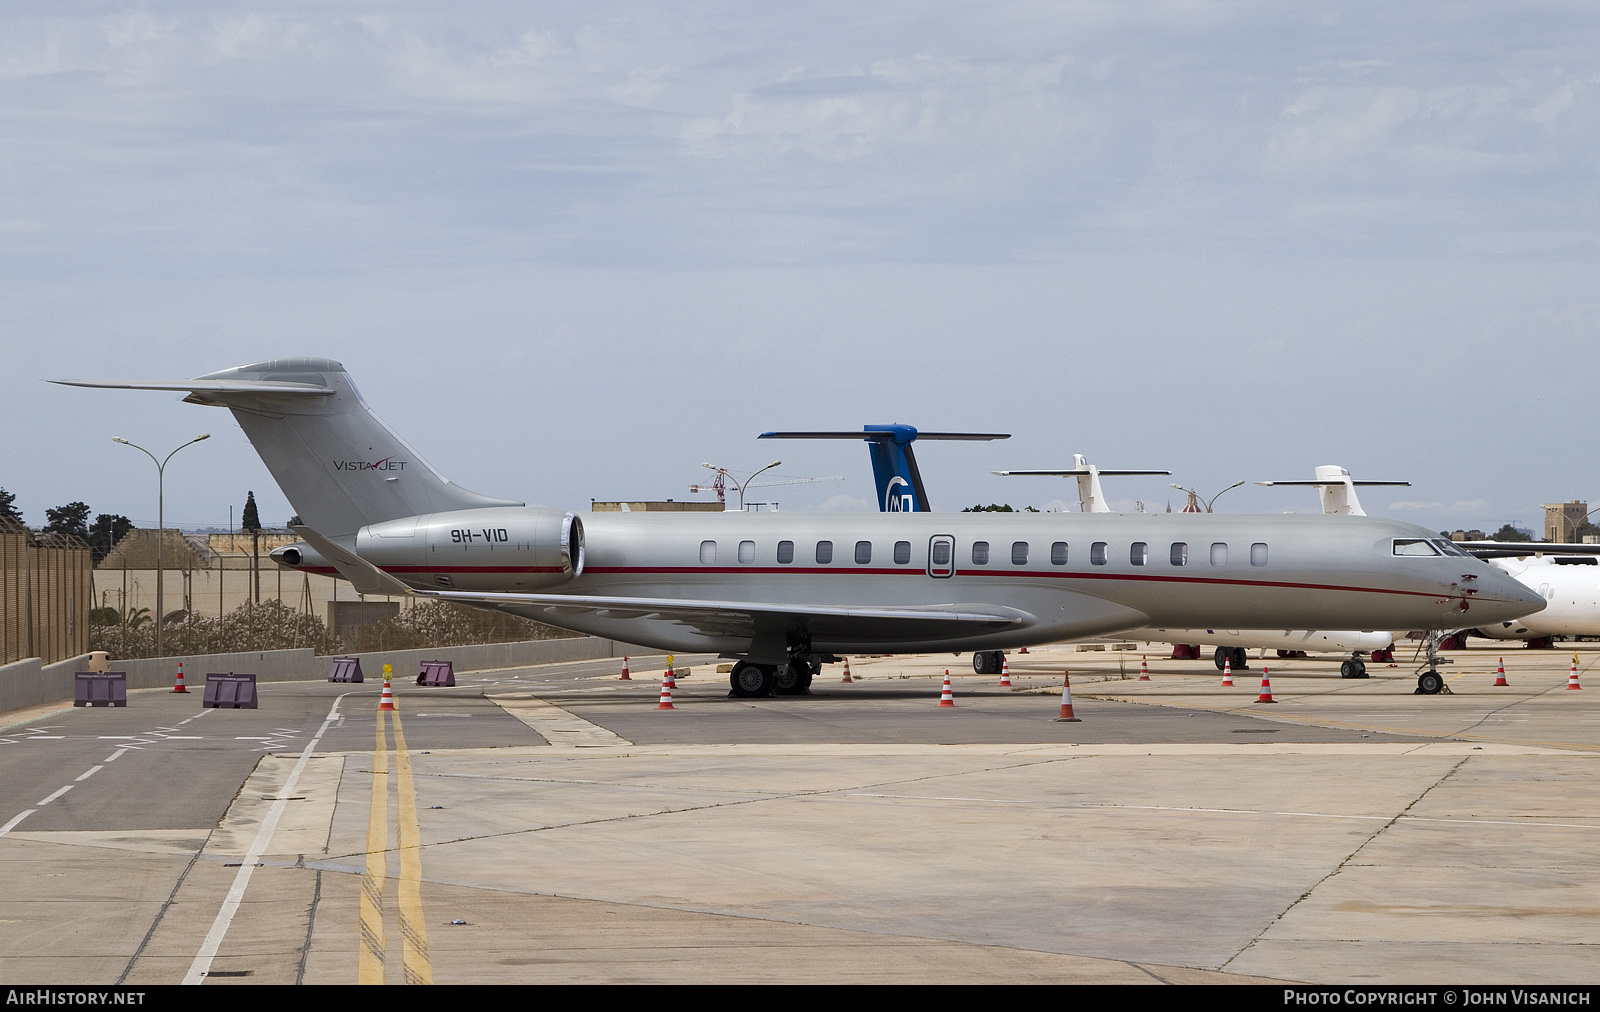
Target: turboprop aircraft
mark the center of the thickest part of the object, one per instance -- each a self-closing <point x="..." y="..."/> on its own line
<point x="784" y="592"/>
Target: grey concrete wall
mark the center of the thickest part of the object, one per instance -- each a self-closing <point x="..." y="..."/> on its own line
<point x="31" y="683"/>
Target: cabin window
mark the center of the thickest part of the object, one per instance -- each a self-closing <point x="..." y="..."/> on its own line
<point x="980" y="553"/>
<point x="747" y="552"/>
<point x="1180" y="554"/>
<point x="1139" y="553"/>
<point x="1058" y="554"/>
<point x="824" y="552"/>
<point x="1019" y="553"/>
<point x="1219" y="554"/>
<point x="902" y="552"/>
<point x="708" y="552"/>
<point x="1097" y="554"/>
<point x="941" y="553"/>
<point x="1258" y="554"/>
<point x="786" y="552"/>
<point x="863" y="552"/>
<point x="1413" y="546"/>
<point x="1450" y="548"/>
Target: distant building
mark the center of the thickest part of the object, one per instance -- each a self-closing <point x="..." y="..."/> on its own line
<point x="648" y="506"/>
<point x="1468" y="536"/>
<point x="1561" y="520"/>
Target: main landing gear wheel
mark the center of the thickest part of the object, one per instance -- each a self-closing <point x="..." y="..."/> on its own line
<point x="794" y="679"/>
<point x="987" y="662"/>
<point x="1239" y="659"/>
<point x="750" y="681"/>
<point x="1429" y="683"/>
<point x="1353" y="669"/>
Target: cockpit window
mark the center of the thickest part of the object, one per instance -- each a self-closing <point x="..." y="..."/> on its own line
<point x="1413" y="546"/>
<point x="1449" y="548"/>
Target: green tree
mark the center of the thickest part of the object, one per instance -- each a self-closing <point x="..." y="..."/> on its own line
<point x="991" y="508"/>
<point x="252" y="519"/>
<point x="1509" y="533"/>
<point x="73" y="518"/>
<point x="7" y="509"/>
<point x="107" y="530"/>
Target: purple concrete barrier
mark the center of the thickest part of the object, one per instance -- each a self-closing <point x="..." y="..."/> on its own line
<point x="237" y="692"/>
<point x="346" y="669"/>
<point x="437" y="673"/>
<point x="100" y="688"/>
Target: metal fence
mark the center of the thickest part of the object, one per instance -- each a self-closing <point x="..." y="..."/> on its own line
<point x="46" y="590"/>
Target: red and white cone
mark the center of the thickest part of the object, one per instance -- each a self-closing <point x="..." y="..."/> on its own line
<point x="1500" y="673"/>
<point x="1066" y="700"/>
<point x="387" y="700"/>
<point x="624" y="676"/>
<point x="945" y="697"/>
<point x="1572" y="676"/>
<point x="1005" y="674"/>
<point x="1023" y="650"/>
<point x="179" y="687"/>
<point x="1144" y="668"/>
<point x="666" y="692"/>
<point x="846" y="679"/>
<point x="1227" y="673"/>
<point x="671" y="679"/>
<point x="1266" y="689"/>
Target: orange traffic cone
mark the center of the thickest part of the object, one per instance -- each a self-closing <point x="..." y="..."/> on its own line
<point x="945" y="698"/>
<point x="624" y="676"/>
<point x="672" y="674"/>
<point x="387" y="701"/>
<point x="1066" y="700"/>
<point x="666" y="692"/>
<point x="1266" y="689"/>
<point x="1144" y="668"/>
<point x="179" y="687"/>
<point x="846" y="679"/>
<point x="1227" y="673"/>
<point x="1572" y="677"/>
<point x="1500" y="673"/>
<point x="1005" y="673"/>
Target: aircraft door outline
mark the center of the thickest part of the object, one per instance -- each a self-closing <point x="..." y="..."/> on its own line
<point x="941" y="546"/>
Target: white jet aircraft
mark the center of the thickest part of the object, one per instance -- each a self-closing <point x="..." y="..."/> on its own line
<point x="784" y="592"/>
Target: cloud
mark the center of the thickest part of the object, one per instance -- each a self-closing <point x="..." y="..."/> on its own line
<point x="1475" y="506"/>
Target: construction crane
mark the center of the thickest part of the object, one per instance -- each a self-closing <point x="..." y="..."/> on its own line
<point x="724" y="477"/>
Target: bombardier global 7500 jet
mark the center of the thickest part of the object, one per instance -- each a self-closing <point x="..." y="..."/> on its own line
<point x="782" y="593"/>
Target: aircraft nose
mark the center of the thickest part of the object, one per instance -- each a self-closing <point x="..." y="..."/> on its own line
<point x="1502" y="597"/>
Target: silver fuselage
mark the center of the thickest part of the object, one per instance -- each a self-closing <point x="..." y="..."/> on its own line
<point x="1318" y="571"/>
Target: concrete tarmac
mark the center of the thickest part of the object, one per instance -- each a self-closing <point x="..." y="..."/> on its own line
<point x="1181" y="832"/>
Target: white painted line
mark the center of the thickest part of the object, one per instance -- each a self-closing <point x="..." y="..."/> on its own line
<point x="8" y="827"/>
<point x="116" y="737"/>
<point x="56" y="795"/>
<point x="113" y="756"/>
<point x="89" y="773"/>
<point x="267" y="738"/>
<point x="241" y="881"/>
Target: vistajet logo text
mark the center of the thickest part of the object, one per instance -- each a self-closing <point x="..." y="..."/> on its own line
<point x="386" y="464"/>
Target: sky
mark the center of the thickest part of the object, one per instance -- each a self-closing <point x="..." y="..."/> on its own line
<point x="572" y="250"/>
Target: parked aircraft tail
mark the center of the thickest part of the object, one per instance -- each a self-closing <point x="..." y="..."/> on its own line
<point x="340" y="467"/>
<point x="1336" y="489"/>
<point x="894" y="465"/>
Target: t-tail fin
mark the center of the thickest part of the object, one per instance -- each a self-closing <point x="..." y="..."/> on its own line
<point x="340" y="467"/>
<point x="894" y="466"/>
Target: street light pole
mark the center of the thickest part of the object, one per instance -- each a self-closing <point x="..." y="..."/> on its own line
<point x="1213" y="499"/>
<point x="736" y="482"/>
<point x="161" y="524"/>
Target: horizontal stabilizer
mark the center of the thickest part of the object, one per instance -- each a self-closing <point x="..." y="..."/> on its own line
<point x="1325" y="484"/>
<point x="1073" y="473"/>
<point x="203" y="386"/>
<point x="884" y="435"/>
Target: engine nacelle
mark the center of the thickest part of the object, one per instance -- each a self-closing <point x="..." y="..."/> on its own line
<point x="510" y="548"/>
